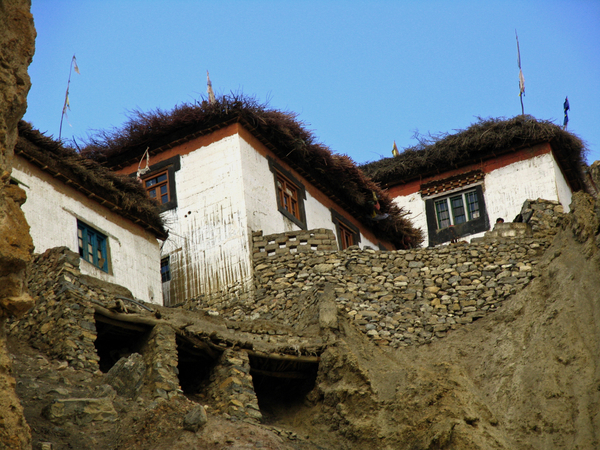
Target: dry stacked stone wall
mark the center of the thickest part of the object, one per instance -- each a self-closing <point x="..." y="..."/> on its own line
<point x="62" y="321"/>
<point x="231" y="387"/>
<point x="160" y="356"/>
<point x="397" y="298"/>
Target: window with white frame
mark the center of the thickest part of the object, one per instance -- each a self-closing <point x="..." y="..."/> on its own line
<point x="456" y="215"/>
<point x="456" y="209"/>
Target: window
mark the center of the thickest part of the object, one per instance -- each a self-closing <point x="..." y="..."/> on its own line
<point x="290" y="194"/>
<point x="456" y="215"/>
<point x="346" y="232"/>
<point x="160" y="182"/>
<point x="165" y="269"/>
<point x="346" y="237"/>
<point x="457" y="209"/>
<point x="158" y="187"/>
<point x="92" y="246"/>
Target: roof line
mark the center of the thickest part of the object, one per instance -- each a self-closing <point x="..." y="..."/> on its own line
<point x="104" y="202"/>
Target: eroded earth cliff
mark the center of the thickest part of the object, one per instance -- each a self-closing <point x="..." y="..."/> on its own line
<point x="16" y="50"/>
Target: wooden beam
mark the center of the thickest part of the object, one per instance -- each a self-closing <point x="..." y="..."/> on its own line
<point x="119" y="323"/>
<point x="279" y="357"/>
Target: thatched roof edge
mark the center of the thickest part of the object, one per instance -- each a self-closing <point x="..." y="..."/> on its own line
<point x="486" y="139"/>
<point x="121" y="194"/>
<point x="281" y="132"/>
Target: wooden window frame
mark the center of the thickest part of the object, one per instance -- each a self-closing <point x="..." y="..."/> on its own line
<point x="93" y="246"/>
<point x="170" y="166"/>
<point x="345" y="231"/>
<point x="158" y="185"/>
<point x="446" y="229"/>
<point x="287" y="194"/>
<point x="280" y="175"/>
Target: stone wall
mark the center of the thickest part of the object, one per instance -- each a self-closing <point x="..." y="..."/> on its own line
<point x="292" y="242"/>
<point x="397" y="298"/>
<point x="62" y="322"/>
<point x="160" y="356"/>
<point x="231" y="387"/>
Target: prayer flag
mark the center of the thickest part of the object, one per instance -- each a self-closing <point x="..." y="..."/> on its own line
<point x="211" y="94"/>
<point x="521" y="77"/>
<point x="567" y="107"/>
<point x="75" y="66"/>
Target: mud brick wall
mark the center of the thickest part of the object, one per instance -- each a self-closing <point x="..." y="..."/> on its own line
<point x="292" y="242"/>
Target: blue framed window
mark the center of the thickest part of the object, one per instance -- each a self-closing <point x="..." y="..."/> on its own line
<point x="165" y="269"/>
<point x="92" y="246"/>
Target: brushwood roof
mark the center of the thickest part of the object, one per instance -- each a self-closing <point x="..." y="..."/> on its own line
<point x="483" y="140"/>
<point x="335" y="175"/>
<point x="124" y="195"/>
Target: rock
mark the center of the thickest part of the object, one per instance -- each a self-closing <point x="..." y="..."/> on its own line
<point x="80" y="411"/>
<point x="127" y="375"/>
<point x="328" y="310"/>
<point x="195" y="419"/>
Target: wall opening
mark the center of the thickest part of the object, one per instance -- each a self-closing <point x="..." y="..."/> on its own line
<point x="196" y="360"/>
<point x="117" y="339"/>
<point x="282" y="383"/>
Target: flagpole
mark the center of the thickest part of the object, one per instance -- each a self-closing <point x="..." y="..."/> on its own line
<point x="66" y="104"/>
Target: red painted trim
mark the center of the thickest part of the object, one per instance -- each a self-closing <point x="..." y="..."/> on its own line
<point x="240" y="130"/>
<point x="487" y="166"/>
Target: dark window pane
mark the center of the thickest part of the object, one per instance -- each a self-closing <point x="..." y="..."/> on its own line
<point x="458" y="210"/>
<point x="443" y="215"/>
<point x="472" y="205"/>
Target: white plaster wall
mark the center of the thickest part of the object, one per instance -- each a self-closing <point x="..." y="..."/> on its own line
<point x="261" y="199"/>
<point x="52" y="210"/>
<point x="562" y="187"/>
<point x="415" y="205"/>
<point x="505" y="189"/>
<point x="209" y="240"/>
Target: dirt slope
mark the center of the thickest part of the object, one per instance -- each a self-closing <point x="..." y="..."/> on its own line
<point x="525" y="377"/>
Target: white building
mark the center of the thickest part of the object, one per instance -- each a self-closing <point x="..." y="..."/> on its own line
<point x="230" y="169"/>
<point x="460" y="185"/>
<point x="74" y="202"/>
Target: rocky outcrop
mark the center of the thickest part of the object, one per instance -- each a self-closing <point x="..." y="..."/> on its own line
<point x="17" y="36"/>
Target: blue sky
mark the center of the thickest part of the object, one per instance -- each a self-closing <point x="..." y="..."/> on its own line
<point x="359" y="74"/>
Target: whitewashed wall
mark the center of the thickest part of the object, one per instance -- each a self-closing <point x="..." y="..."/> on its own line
<point x="52" y="209"/>
<point x="261" y="199"/>
<point x="209" y="240"/>
<point x="505" y="189"/>
<point x="415" y="204"/>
